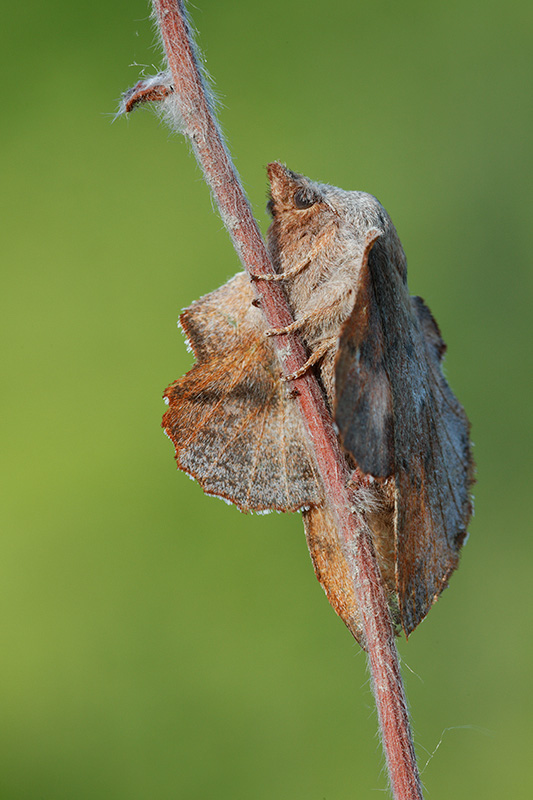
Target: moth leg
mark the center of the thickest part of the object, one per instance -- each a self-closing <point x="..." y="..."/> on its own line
<point x="289" y="273"/>
<point x="317" y="315"/>
<point x="319" y="353"/>
<point x="292" y="271"/>
<point x="298" y="323"/>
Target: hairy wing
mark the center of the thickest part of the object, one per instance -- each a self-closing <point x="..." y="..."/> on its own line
<point x="398" y="416"/>
<point x="434" y="492"/>
<point x="331" y="568"/>
<point x="231" y="418"/>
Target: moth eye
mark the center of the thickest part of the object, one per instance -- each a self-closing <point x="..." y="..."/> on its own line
<point x="303" y="198"/>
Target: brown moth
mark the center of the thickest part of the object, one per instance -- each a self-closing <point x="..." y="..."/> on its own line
<point x="377" y="352"/>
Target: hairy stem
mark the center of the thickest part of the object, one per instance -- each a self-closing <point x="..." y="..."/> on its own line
<point x="198" y="123"/>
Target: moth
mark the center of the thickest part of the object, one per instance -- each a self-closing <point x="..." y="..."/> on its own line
<point x="377" y="353"/>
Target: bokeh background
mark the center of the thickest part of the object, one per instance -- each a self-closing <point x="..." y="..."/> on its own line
<point x="155" y="642"/>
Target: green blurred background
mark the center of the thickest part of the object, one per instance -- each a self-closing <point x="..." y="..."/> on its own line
<point x="155" y="642"/>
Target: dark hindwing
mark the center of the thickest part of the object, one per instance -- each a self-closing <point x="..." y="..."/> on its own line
<point x="390" y="388"/>
<point x="363" y="401"/>
<point x="230" y="417"/>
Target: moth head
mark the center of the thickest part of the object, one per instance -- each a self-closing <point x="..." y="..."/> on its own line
<point x="289" y="191"/>
<point x="296" y="201"/>
<point x="302" y="209"/>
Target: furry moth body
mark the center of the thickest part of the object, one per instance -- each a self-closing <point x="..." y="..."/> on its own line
<point x="378" y="354"/>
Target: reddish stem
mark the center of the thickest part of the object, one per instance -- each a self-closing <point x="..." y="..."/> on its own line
<point x="198" y="122"/>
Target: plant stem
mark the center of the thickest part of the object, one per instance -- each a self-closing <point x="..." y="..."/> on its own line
<point x="198" y="123"/>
